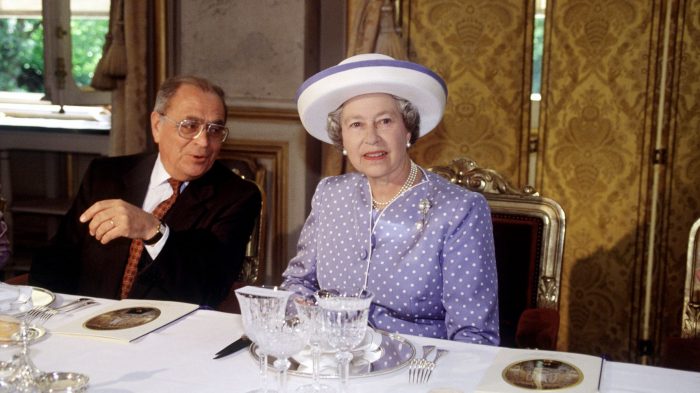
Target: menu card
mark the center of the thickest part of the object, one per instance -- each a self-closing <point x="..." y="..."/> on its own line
<point x="127" y="319"/>
<point x="522" y="370"/>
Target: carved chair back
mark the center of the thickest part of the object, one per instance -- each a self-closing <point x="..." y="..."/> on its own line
<point x="690" y="327"/>
<point x="683" y="352"/>
<point x="529" y="240"/>
<point x="253" y="269"/>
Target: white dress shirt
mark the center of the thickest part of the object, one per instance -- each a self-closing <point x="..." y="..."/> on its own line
<point x="158" y="190"/>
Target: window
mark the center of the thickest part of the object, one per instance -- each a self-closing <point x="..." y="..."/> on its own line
<point x="536" y="88"/>
<point x="538" y="49"/>
<point x="70" y="46"/>
<point x="50" y="49"/>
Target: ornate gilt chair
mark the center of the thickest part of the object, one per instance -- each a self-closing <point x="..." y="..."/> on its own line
<point x="529" y="241"/>
<point x="684" y="352"/>
<point x="253" y="269"/>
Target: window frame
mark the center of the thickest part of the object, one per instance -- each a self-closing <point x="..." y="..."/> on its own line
<point x="60" y="87"/>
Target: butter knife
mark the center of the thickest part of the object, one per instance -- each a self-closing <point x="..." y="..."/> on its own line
<point x="234" y="347"/>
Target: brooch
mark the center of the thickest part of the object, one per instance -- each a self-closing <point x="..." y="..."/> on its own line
<point x="423" y="207"/>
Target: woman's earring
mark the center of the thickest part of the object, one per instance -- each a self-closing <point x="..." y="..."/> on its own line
<point x="345" y="152"/>
<point x="408" y="144"/>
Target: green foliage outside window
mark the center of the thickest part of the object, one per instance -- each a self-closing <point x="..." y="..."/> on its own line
<point x="22" y="52"/>
<point x="88" y="39"/>
<point x="538" y="49"/>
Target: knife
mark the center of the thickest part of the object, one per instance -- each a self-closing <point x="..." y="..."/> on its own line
<point x="234" y="347"/>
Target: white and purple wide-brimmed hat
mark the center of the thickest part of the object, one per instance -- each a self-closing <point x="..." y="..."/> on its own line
<point x="370" y="73"/>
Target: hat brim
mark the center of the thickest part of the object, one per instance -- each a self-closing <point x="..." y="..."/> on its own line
<point x="330" y="88"/>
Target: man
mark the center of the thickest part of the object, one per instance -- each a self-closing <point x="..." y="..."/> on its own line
<point x="191" y="249"/>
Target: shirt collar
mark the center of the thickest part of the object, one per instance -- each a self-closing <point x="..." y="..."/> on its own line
<point x="160" y="176"/>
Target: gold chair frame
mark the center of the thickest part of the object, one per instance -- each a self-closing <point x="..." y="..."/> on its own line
<point x="253" y="269"/>
<point x="505" y="199"/>
<point x="690" y="327"/>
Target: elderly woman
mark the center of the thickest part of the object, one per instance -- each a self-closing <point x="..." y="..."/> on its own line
<point x="422" y="245"/>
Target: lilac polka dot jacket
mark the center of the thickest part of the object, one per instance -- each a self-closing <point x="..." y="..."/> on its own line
<point x="428" y="257"/>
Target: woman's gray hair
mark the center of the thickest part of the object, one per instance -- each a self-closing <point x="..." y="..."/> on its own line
<point x="409" y="114"/>
<point x="171" y="85"/>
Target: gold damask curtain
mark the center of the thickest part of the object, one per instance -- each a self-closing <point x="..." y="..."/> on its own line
<point x="123" y="69"/>
<point x="618" y="143"/>
<point x="483" y="49"/>
<point x="619" y="122"/>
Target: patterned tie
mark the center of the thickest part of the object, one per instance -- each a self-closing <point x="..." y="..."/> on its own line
<point x="136" y="248"/>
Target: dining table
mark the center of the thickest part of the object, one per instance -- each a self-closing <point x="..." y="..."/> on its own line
<point x="179" y="357"/>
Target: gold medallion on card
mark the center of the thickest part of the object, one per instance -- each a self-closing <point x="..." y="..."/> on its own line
<point x="542" y="374"/>
<point x="123" y="318"/>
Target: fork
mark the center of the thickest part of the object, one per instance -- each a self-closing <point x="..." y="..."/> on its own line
<point x="36" y="312"/>
<point x="43" y="314"/>
<point x="431" y="365"/>
<point x="417" y="366"/>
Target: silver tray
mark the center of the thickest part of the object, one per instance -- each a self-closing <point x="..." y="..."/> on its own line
<point x="393" y="353"/>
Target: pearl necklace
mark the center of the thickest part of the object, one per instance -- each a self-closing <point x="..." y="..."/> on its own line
<point x="406" y="185"/>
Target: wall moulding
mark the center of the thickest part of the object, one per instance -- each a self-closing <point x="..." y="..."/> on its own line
<point x="268" y="108"/>
<point x="262" y="113"/>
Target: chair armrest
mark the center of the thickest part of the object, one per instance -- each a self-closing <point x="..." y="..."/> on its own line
<point x="538" y="328"/>
<point x="681" y="353"/>
<point x="22" y="279"/>
<point x="230" y="303"/>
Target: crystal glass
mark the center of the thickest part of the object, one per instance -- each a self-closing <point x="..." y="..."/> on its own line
<point x="281" y="338"/>
<point x="260" y="306"/>
<point x="9" y="327"/>
<point x="310" y="314"/>
<point x="345" y="324"/>
<point x="17" y="370"/>
<point x="18" y="374"/>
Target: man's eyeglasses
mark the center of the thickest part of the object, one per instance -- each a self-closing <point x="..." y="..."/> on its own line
<point x="191" y="129"/>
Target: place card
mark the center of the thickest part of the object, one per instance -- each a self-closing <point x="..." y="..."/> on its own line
<point x="522" y="370"/>
<point x="127" y="319"/>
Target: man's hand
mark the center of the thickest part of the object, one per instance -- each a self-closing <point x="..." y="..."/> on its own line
<point x="113" y="218"/>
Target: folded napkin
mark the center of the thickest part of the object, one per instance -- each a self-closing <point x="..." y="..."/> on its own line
<point x="328" y="365"/>
<point x="367" y="352"/>
<point x="15" y="298"/>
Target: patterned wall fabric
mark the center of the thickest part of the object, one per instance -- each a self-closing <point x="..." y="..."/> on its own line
<point x="479" y="47"/>
<point x="597" y="127"/>
<point x="602" y="70"/>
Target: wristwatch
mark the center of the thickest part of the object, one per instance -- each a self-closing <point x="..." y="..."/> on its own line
<point x="160" y="230"/>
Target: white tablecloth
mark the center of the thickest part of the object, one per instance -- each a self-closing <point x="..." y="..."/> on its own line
<point x="178" y="358"/>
